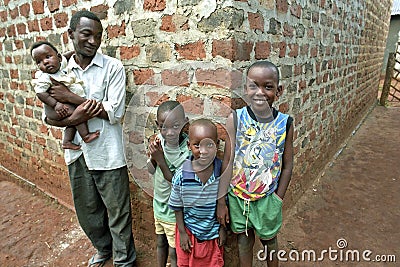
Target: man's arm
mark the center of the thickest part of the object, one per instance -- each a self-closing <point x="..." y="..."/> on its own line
<point x="287" y="164"/>
<point x="85" y="111"/>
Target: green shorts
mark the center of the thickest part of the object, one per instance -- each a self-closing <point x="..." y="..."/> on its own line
<point x="263" y="215"/>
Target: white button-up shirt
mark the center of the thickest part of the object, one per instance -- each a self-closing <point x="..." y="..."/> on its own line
<point x="104" y="80"/>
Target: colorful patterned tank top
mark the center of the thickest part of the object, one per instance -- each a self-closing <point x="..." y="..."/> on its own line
<point x="258" y="155"/>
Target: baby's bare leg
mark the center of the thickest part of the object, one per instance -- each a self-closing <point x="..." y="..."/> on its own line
<point x="87" y="136"/>
<point x="69" y="134"/>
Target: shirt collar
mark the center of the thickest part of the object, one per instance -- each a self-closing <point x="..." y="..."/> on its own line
<point x="97" y="60"/>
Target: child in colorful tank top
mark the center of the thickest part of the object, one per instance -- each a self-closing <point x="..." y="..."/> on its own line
<point x="258" y="164"/>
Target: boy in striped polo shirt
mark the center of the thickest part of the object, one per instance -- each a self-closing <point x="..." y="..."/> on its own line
<point x="199" y="236"/>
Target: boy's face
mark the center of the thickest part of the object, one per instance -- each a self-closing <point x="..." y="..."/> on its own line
<point x="87" y="37"/>
<point x="46" y="59"/>
<point x="170" y="124"/>
<point x="203" y="144"/>
<point x="262" y="88"/>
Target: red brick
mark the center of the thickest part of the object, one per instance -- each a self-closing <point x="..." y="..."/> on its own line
<point x="167" y="24"/>
<point x="295" y="10"/>
<point x="14" y="13"/>
<point x="33" y="26"/>
<point x="24" y="10"/>
<point x="256" y="21"/>
<point x="126" y="52"/>
<point x="11" y="32"/>
<point x="19" y="44"/>
<point x="288" y="31"/>
<point x="38" y="6"/>
<point x="154" y="5"/>
<point x="66" y="3"/>
<point x="46" y="24"/>
<point x="53" y="5"/>
<point x="154" y="99"/>
<point x="222" y="105"/>
<point x="175" y="78"/>
<point x="294" y="50"/>
<point x="3" y="15"/>
<point x="116" y="30"/>
<point x="2" y="34"/>
<point x="28" y="113"/>
<point x="191" y="105"/>
<point x="219" y="78"/>
<point x="14" y="74"/>
<point x="231" y="49"/>
<point x="100" y="11"/>
<point x="21" y="28"/>
<point x="282" y="6"/>
<point x="262" y="50"/>
<point x="56" y="133"/>
<point x="143" y="76"/>
<point x="61" y="20"/>
<point x="191" y="51"/>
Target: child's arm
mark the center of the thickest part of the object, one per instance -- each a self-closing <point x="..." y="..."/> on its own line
<point x="61" y="109"/>
<point x="287" y="164"/>
<point x="226" y="172"/>
<point x="184" y="238"/>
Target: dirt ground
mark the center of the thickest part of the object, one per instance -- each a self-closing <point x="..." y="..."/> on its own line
<point x="356" y="202"/>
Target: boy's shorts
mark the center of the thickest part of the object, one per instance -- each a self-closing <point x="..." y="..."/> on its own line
<point x="166" y="228"/>
<point x="203" y="253"/>
<point x="263" y="215"/>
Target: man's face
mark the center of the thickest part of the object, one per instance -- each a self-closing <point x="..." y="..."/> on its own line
<point x="87" y="37"/>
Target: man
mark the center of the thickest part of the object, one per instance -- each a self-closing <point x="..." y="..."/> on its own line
<point x="98" y="171"/>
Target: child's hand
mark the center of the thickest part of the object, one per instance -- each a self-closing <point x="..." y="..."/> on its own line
<point x="222" y="236"/>
<point x="185" y="243"/>
<point x="222" y="213"/>
<point x="61" y="110"/>
<point x="156" y="151"/>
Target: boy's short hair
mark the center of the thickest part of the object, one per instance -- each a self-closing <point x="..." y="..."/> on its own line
<point x="170" y="105"/>
<point x="204" y="122"/>
<point x="37" y="44"/>
<point x="82" y="14"/>
<point x="265" y="64"/>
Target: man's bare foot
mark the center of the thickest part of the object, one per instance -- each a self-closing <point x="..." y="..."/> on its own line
<point x="91" y="136"/>
<point x="70" y="145"/>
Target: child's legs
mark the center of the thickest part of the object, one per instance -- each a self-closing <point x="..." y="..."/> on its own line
<point x="165" y="242"/>
<point x="162" y="250"/>
<point x="69" y="134"/>
<point x="245" y="246"/>
<point x="272" y="251"/>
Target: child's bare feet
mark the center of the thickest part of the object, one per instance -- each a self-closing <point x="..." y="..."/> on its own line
<point x="70" y="145"/>
<point x="91" y="136"/>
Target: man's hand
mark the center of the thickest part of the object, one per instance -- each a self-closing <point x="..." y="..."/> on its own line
<point x="59" y="91"/>
<point x="85" y="111"/>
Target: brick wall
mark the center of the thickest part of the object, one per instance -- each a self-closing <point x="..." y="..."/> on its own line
<point x="330" y="53"/>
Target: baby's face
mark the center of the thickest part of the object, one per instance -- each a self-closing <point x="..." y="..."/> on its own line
<point x="170" y="124"/>
<point x="46" y="59"/>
